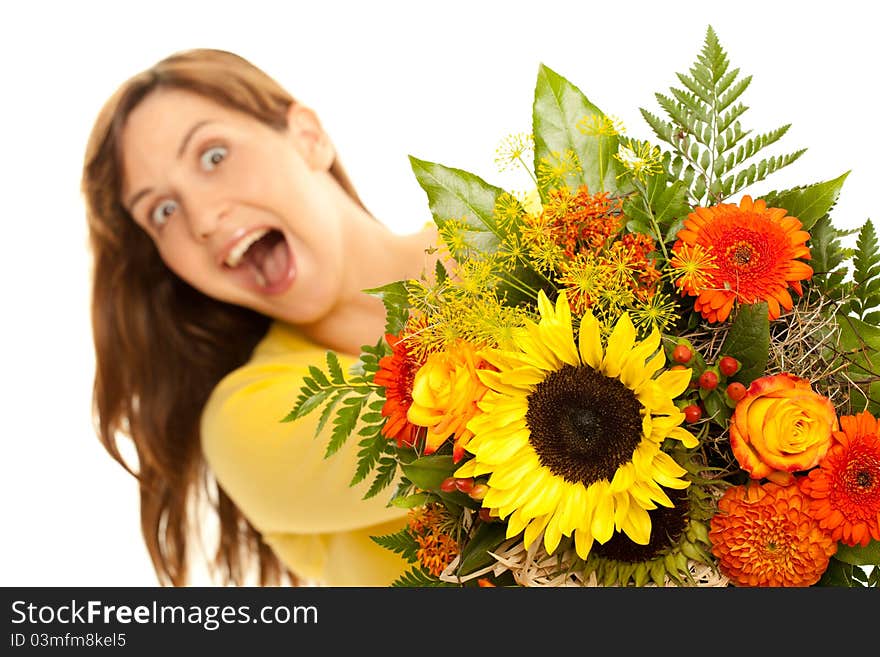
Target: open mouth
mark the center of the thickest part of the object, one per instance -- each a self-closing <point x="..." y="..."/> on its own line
<point x="264" y="257"/>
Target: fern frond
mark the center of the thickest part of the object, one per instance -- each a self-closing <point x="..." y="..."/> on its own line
<point x="711" y="151"/>
<point x="418" y="577"/>
<point x="401" y="542"/>
<point x="866" y="276"/>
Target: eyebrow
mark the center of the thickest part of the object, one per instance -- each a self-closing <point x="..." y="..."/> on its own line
<point x="183" y="144"/>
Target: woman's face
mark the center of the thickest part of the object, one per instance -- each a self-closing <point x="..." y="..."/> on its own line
<point x="244" y="213"/>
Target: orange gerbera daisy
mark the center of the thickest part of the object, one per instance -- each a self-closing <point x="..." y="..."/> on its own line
<point x="396" y="374"/>
<point x="754" y="250"/>
<point x="845" y="489"/>
<point x="763" y="536"/>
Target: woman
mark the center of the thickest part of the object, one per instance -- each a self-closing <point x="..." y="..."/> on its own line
<point x="230" y="252"/>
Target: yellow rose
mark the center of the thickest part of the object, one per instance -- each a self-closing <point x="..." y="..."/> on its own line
<point x="781" y="426"/>
<point x="445" y="393"/>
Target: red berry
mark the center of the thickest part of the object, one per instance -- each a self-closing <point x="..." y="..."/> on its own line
<point x="465" y="485"/>
<point x="736" y="391"/>
<point x="708" y="380"/>
<point x="728" y="365"/>
<point x="485" y="514"/>
<point x="682" y="354"/>
<point x="692" y="413"/>
<point x="448" y="485"/>
<point x="479" y="491"/>
<point x="678" y="367"/>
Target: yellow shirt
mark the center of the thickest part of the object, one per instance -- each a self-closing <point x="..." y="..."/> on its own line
<point x="277" y="475"/>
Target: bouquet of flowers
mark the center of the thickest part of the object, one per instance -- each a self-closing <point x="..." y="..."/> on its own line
<point x="632" y="374"/>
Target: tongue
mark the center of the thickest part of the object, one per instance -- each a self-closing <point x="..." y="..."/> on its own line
<point x="275" y="264"/>
<point x="268" y="259"/>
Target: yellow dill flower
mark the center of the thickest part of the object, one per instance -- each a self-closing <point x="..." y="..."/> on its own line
<point x="554" y="169"/>
<point x="507" y="211"/>
<point x="639" y="158"/>
<point x="582" y="278"/>
<point x="514" y="149"/>
<point x="571" y="434"/>
<point x="692" y="267"/>
<point x="657" y="312"/>
<point x="599" y="125"/>
<point x="511" y="252"/>
<point x="454" y="239"/>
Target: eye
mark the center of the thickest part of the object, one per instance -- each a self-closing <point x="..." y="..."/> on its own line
<point x="211" y="157"/>
<point x="162" y="212"/>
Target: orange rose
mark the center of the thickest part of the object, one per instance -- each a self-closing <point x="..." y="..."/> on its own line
<point x="781" y="426"/>
<point x="445" y="394"/>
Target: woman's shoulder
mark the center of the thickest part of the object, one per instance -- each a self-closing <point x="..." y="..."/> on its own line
<point x="275" y="471"/>
<point x="270" y="379"/>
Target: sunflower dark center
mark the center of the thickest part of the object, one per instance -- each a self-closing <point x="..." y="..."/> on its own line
<point x="583" y="425"/>
<point x="667" y="527"/>
<point x="863" y="478"/>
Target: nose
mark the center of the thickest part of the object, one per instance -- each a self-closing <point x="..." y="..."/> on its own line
<point x="204" y="218"/>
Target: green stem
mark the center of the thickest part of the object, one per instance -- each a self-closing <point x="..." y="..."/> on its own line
<point x="528" y="170"/>
<point x="643" y="192"/>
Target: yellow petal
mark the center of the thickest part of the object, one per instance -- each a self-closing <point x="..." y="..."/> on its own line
<point x="546" y="499"/>
<point x="590" y="343"/>
<point x="633" y="372"/>
<point x="619" y="345"/>
<point x="534" y="529"/>
<point x="603" y="518"/>
<point x="637" y="525"/>
<point x="552" y="534"/>
<point x="674" y="382"/>
<point x="511" y="472"/>
<point x="583" y="542"/>
<point x="621" y="510"/>
<point x="573" y="508"/>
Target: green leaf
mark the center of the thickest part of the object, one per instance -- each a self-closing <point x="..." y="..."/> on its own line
<point x="838" y="574"/>
<point x="402" y="542"/>
<point x="748" y="340"/>
<point x="810" y="203"/>
<point x="475" y="555"/>
<point x="558" y="108"/>
<point x="868" y="555"/>
<point x="428" y="472"/>
<point x="344" y="423"/>
<point x="411" y="501"/>
<point x="395" y="298"/>
<point x="372" y="446"/>
<point x="717" y="408"/>
<point x="859" y="346"/>
<point x="418" y="577"/>
<point x="456" y="195"/>
<point x="335" y="369"/>
<point x="307" y="401"/>
<point x="384" y="476"/>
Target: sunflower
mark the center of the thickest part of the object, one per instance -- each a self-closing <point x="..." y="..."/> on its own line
<point x="753" y="251"/>
<point x="845" y="489"/>
<point x="571" y="434"/>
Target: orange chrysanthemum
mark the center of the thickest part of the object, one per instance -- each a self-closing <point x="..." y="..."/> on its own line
<point x="754" y="250"/>
<point x="396" y="374"/>
<point x="844" y="490"/>
<point x="763" y="536"/>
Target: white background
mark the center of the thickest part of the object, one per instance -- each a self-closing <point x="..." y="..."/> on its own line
<point x="444" y="81"/>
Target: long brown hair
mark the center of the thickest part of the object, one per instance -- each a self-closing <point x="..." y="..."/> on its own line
<point x="160" y="345"/>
